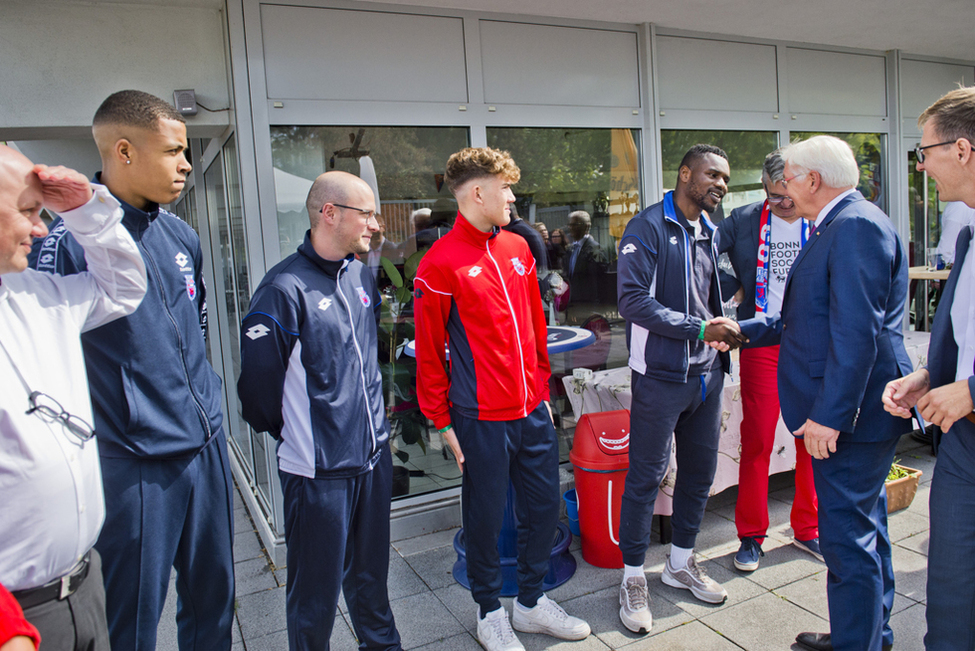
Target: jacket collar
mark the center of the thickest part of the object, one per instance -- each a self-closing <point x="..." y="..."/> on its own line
<point x="473" y="235"/>
<point x="330" y="267"/>
<point x="133" y="218"/>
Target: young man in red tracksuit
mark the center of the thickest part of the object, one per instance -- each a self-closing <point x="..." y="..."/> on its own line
<point x="476" y="292"/>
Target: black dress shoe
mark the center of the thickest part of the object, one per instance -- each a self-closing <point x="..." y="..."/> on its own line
<point x="822" y="642"/>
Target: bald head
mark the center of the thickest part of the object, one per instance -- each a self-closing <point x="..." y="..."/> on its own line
<point x="14" y="168"/>
<point x="21" y="201"/>
<point x="333" y="188"/>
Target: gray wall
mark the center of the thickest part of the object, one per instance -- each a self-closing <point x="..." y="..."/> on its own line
<point x="61" y="59"/>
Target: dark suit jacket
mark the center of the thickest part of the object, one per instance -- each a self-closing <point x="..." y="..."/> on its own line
<point x="590" y="265"/>
<point x="943" y="350"/>
<point x="738" y="237"/>
<point x="841" y="325"/>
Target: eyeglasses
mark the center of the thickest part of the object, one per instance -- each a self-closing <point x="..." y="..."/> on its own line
<point x="776" y="199"/>
<point x="785" y="182"/>
<point x="370" y="214"/>
<point x="919" y="150"/>
<point x="46" y="406"/>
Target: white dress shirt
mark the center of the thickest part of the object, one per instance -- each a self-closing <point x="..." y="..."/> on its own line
<point x="52" y="508"/>
<point x="829" y="206"/>
<point x="963" y="316"/>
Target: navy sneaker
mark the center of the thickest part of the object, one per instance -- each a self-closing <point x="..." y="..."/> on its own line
<point x="746" y="559"/>
<point x="811" y="546"/>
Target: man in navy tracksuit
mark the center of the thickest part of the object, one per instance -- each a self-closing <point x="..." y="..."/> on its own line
<point x="156" y="399"/>
<point x="669" y="296"/>
<point x="310" y="376"/>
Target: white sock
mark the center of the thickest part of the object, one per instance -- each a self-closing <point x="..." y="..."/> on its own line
<point x="632" y="570"/>
<point x="679" y="556"/>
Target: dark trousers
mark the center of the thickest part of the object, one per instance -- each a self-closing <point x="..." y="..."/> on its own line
<point x="163" y="514"/>
<point x="855" y="544"/>
<point x="78" y="622"/>
<point x="662" y="412"/>
<point x="337" y="531"/>
<point x="525" y="450"/>
<point x="951" y="550"/>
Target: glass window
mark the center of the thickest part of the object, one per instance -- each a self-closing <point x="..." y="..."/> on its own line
<point x="415" y="209"/>
<point x="407" y="162"/>
<point x="584" y="186"/>
<point x="746" y="153"/>
<point x="186" y="209"/>
<point x="869" y="151"/>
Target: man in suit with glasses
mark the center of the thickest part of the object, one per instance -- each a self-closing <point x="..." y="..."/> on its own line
<point x="943" y="391"/>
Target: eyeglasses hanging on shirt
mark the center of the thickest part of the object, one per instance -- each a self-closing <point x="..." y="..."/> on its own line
<point x="49" y="409"/>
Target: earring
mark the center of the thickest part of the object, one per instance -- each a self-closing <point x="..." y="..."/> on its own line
<point x="128" y="161"/>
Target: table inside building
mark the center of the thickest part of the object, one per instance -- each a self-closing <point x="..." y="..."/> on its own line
<point x="610" y="390"/>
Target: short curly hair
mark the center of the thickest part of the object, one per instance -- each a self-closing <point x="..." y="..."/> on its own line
<point x="477" y="162"/>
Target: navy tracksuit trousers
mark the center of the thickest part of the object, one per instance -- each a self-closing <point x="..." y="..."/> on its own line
<point x="337" y="531"/>
<point x="661" y="412"/>
<point x="162" y="514"/>
<point x="525" y="450"/>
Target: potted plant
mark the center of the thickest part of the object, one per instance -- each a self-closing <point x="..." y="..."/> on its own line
<point x="901" y="484"/>
<point x="407" y="424"/>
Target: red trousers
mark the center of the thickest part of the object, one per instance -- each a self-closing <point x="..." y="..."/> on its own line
<point x="760" y="414"/>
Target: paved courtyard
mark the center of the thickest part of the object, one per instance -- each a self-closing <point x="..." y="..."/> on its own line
<point x="765" y="609"/>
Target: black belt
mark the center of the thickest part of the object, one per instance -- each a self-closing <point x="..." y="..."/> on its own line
<point x="57" y="589"/>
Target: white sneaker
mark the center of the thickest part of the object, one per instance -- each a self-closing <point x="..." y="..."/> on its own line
<point x="693" y="577"/>
<point x="495" y="634"/>
<point x="549" y="618"/>
<point x="635" y="604"/>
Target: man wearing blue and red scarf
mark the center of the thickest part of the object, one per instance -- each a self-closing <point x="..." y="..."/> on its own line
<point x="762" y="240"/>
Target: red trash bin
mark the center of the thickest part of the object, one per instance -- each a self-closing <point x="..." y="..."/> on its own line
<point x="600" y="455"/>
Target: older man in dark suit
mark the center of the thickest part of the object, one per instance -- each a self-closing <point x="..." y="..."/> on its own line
<point x="762" y="241"/>
<point x="943" y="392"/>
<point x="841" y="343"/>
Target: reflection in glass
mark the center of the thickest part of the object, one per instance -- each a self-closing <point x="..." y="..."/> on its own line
<point x="215" y="183"/>
<point x="415" y="209"/>
<point x="407" y="163"/>
<point x="746" y="153"/>
<point x="186" y="209"/>
<point x="869" y="151"/>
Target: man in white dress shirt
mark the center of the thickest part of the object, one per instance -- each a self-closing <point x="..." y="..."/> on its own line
<point x="52" y="507"/>
<point x="943" y="391"/>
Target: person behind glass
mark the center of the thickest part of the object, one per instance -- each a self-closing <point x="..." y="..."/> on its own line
<point x="476" y="292"/>
<point x="841" y="334"/>
<point x="670" y="296"/>
<point x="310" y="376"/>
<point x="379" y="248"/>
<point x="536" y="244"/>
<point x="157" y="401"/>
<point x="943" y="391"/>
<point x="956" y="216"/>
<point x="556" y="250"/>
<point x="53" y="506"/>
<point x="762" y="240"/>
<point x="584" y="263"/>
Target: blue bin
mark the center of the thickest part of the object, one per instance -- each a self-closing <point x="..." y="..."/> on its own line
<point x="572" y="511"/>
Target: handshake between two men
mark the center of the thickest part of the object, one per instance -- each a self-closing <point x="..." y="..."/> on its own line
<point x="724" y="334"/>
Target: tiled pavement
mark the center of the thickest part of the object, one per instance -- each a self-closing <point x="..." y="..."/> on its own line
<point x="765" y="609"/>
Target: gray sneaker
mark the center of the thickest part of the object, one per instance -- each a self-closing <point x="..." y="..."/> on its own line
<point x="694" y="578"/>
<point x="635" y="605"/>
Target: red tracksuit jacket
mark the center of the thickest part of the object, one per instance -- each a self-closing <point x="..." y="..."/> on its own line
<point x="478" y="293"/>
